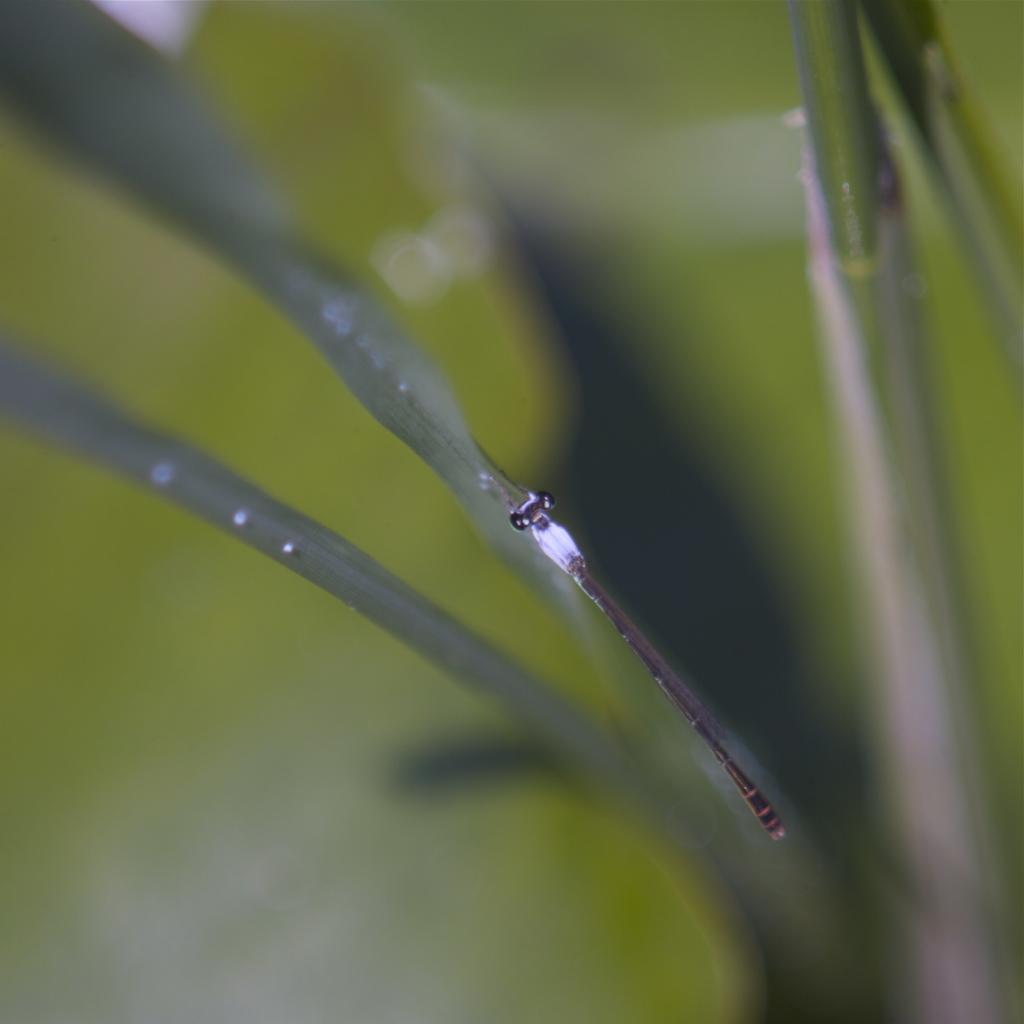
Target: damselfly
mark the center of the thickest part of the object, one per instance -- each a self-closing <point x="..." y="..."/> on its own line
<point x="556" y="542"/>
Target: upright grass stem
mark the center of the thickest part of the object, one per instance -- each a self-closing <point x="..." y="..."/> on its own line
<point x="838" y="111"/>
<point x="947" y="976"/>
<point x="947" y="943"/>
<point x="907" y="386"/>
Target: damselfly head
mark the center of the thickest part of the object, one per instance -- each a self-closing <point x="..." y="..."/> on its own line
<point x="532" y="510"/>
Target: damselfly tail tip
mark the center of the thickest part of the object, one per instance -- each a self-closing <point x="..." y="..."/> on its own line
<point x="771" y="822"/>
<point x="765" y="813"/>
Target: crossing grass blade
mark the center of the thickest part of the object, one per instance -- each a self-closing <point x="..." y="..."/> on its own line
<point x="108" y="99"/>
<point x="51" y="405"/>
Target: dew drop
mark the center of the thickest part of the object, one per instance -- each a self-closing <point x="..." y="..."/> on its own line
<point x="337" y="313"/>
<point x="240" y="518"/>
<point x="162" y="473"/>
<point x="288" y="548"/>
<point x="415" y="266"/>
<point x="402" y="386"/>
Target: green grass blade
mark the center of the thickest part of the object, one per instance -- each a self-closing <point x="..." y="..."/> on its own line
<point x="60" y="410"/>
<point x="841" y="121"/>
<point x="921" y="770"/>
<point x="112" y="101"/>
<point x="985" y="202"/>
<point x="907" y="384"/>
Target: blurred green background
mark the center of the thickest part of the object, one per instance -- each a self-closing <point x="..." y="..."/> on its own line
<point x="588" y="215"/>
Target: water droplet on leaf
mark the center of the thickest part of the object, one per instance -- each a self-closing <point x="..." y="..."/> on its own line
<point x="162" y="473"/>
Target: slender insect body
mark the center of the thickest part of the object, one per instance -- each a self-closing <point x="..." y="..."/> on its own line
<point x="557" y="544"/>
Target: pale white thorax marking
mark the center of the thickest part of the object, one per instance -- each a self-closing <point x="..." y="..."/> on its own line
<point x="555" y="541"/>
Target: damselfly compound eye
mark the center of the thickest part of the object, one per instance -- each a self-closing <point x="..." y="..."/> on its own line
<point x="526" y="514"/>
